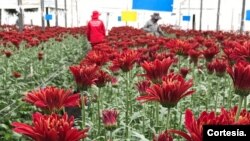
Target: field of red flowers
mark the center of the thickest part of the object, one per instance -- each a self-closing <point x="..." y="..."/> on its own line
<point x="132" y="87"/>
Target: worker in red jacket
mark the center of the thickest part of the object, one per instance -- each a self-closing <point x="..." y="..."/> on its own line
<point x="95" y="29"/>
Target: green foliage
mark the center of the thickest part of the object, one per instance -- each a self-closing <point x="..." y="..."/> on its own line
<point x="35" y="73"/>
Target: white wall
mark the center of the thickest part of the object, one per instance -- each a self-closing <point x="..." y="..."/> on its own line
<point x="229" y="16"/>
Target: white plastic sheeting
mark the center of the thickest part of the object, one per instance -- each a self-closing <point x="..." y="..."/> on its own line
<point x="79" y="12"/>
<point x="4" y="4"/>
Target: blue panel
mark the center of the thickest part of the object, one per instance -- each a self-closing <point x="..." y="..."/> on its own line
<point x="48" y="17"/>
<point x="119" y="18"/>
<point x="186" y="18"/>
<point x="248" y="15"/>
<point x="155" y="5"/>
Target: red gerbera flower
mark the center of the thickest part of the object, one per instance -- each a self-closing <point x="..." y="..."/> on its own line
<point x="103" y="78"/>
<point x="52" y="98"/>
<point x="217" y="65"/>
<point x="156" y="69"/>
<point x="109" y="118"/>
<point x="195" y="126"/>
<point x="229" y="54"/>
<point x="240" y="73"/>
<point x="244" y="118"/>
<point x="95" y="57"/>
<point x="194" y="56"/>
<point x="85" y="75"/>
<point x="210" y="52"/>
<point x="125" y="61"/>
<point x="7" y="53"/>
<point x="179" y="47"/>
<point x="184" y="72"/>
<point x="143" y="86"/>
<point x="220" y="66"/>
<point x="208" y="43"/>
<point x="40" y="55"/>
<point x="172" y="89"/>
<point x="242" y="52"/>
<point x="165" y="136"/>
<point x="16" y="74"/>
<point x="50" y="128"/>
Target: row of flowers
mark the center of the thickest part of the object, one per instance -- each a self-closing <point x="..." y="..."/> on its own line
<point x="35" y="35"/>
<point x="127" y="49"/>
<point x="26" y="69"/>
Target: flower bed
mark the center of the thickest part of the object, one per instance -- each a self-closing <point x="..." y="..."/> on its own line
<point x="139" y="87"/>
<point x="26" y="69"/>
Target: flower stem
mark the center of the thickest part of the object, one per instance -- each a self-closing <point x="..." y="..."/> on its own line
<point x="239" y="108"/>
<point x="223" y="102"/>
<point x="83" y="111"/>
<point x="245" y="102"/>
<point x="216" y="97"/>
<point x="110" y="135"/>
<point x="157" y="113"/>
<point x="230" y="99"/>
<point x="143" y="120"/>
<point x="230" y="95"/>
<point x="127" y="104"/>
<point x="180" y="120"/>
<point x="130" y="99"/>
<point x="208" y="91"/>
<point x="98" y="110"/>
<point x="179" y="62"/>
<point x="6" y="75"/>
<point x="64" y="110"/>
<point x="168" y="117"/>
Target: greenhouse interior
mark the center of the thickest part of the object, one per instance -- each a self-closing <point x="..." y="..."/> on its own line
<point x="124" y="70"/>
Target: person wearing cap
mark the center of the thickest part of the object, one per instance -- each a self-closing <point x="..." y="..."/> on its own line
<point x="152" y="26"/>
<point x="95" y="29"/>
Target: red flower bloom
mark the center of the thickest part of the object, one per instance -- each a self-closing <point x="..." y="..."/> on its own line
<point x="156" y="69"/>
<point x="162" y="56"/>
<point x="165" y="136"/>
<point x="210" y="52"/>
<point x="179" y="47"/>
<point x="85" y="75"/>
<point x="172" y="89"/>
<point x="218" y="66"/>
<point x="242" y="52"/>
<point x="50" y="128"/>
<point x="7" y="53"/>
<point x="143" y="86"/>
<point x="199" y="39"/>
<point x="229" y="51"/>
<point x="103" y="78"/>
<point x="195" y="126"/>
<point x="209" y="43"/>
<point x="125" y="61"/>
<point x="52" y="98"/>
<point x="210" y="68"/>
<point x="240" y="73"/>
<point x="244" y="118"/>
<point x="194" y="55"/>
<point x="40" y="55"/>
<point x="95" y="57"/>
<point x="16" y="74"/>
<point x="184" y="72"/>
<point x="109" y="118"/>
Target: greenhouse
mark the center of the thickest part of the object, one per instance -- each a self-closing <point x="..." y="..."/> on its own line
<point x="124" y="70"/>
